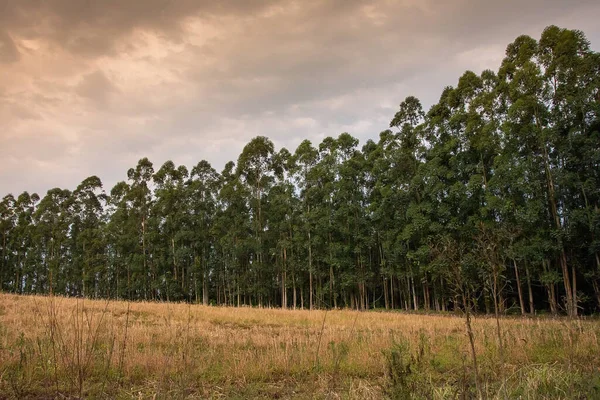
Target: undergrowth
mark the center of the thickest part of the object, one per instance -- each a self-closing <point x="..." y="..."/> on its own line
<point x="53" y="347"/>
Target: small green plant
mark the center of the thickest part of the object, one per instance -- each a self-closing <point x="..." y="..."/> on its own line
<point x="551" y="381"/>
<point x="400" y="364"/>
<point x="20" y="375"/>
<point x="74" y="348"/>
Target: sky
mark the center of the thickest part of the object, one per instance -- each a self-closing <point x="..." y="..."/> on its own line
<point x="89" y="87"/>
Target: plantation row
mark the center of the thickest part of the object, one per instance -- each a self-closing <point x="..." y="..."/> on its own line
<point x="490" y="199"/>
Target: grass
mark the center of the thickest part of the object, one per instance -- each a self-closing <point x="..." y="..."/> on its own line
<point x="73" y="348"/>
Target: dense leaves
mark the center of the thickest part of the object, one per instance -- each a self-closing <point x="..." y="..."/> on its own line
<point x="489" y="200"/>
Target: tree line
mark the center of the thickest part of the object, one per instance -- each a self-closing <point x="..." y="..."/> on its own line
<point x="488" y="200"/>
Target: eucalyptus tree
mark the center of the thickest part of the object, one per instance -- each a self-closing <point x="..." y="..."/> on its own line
<point x="446" y="206"/>
<point x="139" y="197"/>
<point x="23" y="245"/>
<point x="380" y="209"/>
<point x="489" y="198"/>
<point x="169" y="211"/>
<point x="373" y="229"/>
<point x="480" y="134"/>
<point x="350" y="237"/>
<point x="530" y="90"/>
<point x="7" y="226"/>
<point x="325" y="175"/>
<point x="571" y="80"/>
<point x="121" y="236"/>
<point x="388" y="202"/>
<point x="202" y="196"/>
<point x="88" y="237"/>
<point x="255" y="169"/>
<point x="305" y="160"/>
<point x="52" y="219"/>
<point x="409" y="228"/>
<point x="280" y="215"/>
<point x="234" y="230"/>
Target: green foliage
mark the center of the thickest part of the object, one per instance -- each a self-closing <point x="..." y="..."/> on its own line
<point x="488" y="200"/>
<point x="400" y="370"/>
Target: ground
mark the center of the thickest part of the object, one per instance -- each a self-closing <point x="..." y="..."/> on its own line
<point x="54" y="347"/>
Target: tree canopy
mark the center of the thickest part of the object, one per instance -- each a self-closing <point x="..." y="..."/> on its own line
<point x="490" y="198"/>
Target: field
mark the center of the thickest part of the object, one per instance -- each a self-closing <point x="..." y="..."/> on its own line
<point x="54" y="347"/>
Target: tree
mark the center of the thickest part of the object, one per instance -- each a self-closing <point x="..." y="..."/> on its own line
<point x="139" y="198"/>
<point x="255" y="170"/>
<point x="203" y="190"/>
<point x="87" y="235"/>
<point x="488" y="202"/>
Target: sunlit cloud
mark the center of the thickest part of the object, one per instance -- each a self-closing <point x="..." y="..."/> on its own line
<point x="88" y="88"/>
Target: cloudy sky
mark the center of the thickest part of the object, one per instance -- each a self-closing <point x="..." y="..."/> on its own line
<point x="89" y="87"/>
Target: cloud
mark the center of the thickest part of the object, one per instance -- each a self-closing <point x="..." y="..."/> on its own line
<point x="8" y="50"/>
<point x="92" y="28"/>
<point x="88" y="87"/>
<point x="96" y="87"/>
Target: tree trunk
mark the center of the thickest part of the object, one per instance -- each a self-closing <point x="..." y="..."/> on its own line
<point x="310" y="273"/>
<point x="596" y="291"/>
<point x="310" y="263"/>
<point x="520" y="291"/>
<point x="574" y="280"/>
<point x="144" y="257"/>
<point x="204" y="279"/>
<point x="551" y="290"/>
<point x="443" y="296"/>
<point x="571" y="296"/>
<point x="3" y="266"/>
<point x="426" y="299"/>
<point x="552" y="298"/>
<point x="471" y="342"/>
<point x="320" y="292"/>
<point x="310" y="290"/>
<point x="385" y="293"/>
<point x="497" y="316"/>
<point x="408" y="303"/>
<point x="331" y="285"/>
<point x="414" y="293"/>
<point x="283" y="280"/>
<point x="174" y="260"/>
<point x="392" y="291"/>
<point x="294" y="299"/>
<point x="530" y="291"/>
<point x="294" y="289"/>
<point x="597" y="267"/>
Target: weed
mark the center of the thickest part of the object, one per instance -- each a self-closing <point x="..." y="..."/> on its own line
<point x="54" y="347"/>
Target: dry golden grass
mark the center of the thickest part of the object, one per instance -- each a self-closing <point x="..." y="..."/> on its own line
<point x="58" y="347"/>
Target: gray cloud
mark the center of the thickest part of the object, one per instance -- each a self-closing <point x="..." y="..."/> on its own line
<point x="96" y="87"/>
<point x="95" y="27"/>
<point x="90" y="87"/>
<point x="8" y="50"/>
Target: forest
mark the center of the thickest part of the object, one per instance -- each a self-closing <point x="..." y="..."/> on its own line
<point x="489" y="200"/>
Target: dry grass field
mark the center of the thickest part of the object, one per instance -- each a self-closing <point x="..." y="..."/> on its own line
<point x="52" y="347"/>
